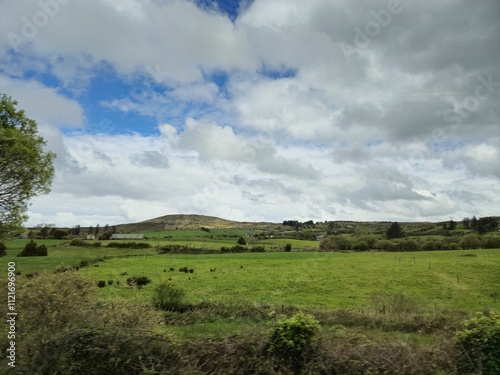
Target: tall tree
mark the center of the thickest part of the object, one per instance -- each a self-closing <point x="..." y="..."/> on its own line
<point x="452" y="225"/>
<point x="26" y="170"/>
<point x="394" y="231"/>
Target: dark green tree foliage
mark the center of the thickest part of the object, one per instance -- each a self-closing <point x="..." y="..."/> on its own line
<point x="486" y="224"/>
<point x="32" y="250"/>
<point x="241" y="241"/>
<point x="59" y="234"/>
<point x="26" y="171"/>
<point x="3" y="249"/>
<point x="288" y="247"/>
<point x="452" y="225"/>
<point x="395" y="231"/>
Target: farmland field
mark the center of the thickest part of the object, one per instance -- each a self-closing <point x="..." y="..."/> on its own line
<point x="464" y="280"/>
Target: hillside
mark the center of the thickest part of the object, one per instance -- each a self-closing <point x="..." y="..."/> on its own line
<point x="187" y="222"/>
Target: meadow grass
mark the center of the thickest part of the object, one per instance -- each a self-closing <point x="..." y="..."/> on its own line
<point x="462" y="280"/>
<point x="317" y="280"/>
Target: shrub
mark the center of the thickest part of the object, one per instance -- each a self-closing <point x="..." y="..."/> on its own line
<point x="491" y="243"/>
<point x="78" y="242"/>
<point x="408" y="245"/>
<point x="167" y="296"/>
<point x="138" y="281"/>
<point x="110" y="282"/>
<point x="291" y="336"/>
<point x="241" y="241"/>
<point x="288" y="247"/>
<point x="386" y="245"/>
<point x="480" y="342"/>
<point x="3" y="249"/>
<point x="129" y="245"/>
<point x="429" y="245"/>
<point x="32" y="250"/>
<point x="361" y="246"/>
<point x="101" y="283"/>
<point x="257" y="249"/>
<point x="96" y="244"/>
<point x="234" y="249"/>
<point x="63" y="268"/>
<point x="332" y="243"/>
<point x="470" y="241"/>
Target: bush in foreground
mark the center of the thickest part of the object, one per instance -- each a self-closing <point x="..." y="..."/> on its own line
<point x="480" y="344"/>
<point x="291" y="336"/>
<point x="167" y="296"/>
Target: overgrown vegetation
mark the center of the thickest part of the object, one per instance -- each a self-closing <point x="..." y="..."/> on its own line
<point x="74" y="333"/>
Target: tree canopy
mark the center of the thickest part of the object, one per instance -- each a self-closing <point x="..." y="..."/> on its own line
<point x="26" y="170"/>
<point x="395" y="231"/>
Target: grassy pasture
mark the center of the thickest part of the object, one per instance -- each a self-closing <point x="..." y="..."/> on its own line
<point x="463" y="280"/>
<point x="302" y="279"/>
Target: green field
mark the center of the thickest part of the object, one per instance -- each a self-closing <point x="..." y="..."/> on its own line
<point x="318" y="280"/>
<point x="464" y="280"/>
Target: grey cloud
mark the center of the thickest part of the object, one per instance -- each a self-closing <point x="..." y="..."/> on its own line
<point x="153" y="159"/>
<point x="379" y="191"/>
<point x="283" y="166"/>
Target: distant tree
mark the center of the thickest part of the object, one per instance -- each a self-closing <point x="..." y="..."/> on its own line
<point x="96" y="230"/>
<point x="91" y="230"/>
<point x="473" y="222"/>
<point x="288" y="247"/>
<point x="113" y="229"/>
<point x="59" y="234"/>
<point x="395" y="231"/>
<point x="466" y="222"/>
<point x="76" y="230"/>
<point x="486" y="224"/>
<point x="241" y="241"/>
<point x="309" y="223"/>
<point x="452" y="225"/>
<point x="44" y="232"/>
<point x="445" y="225"/>
<point x="105" y="236"/>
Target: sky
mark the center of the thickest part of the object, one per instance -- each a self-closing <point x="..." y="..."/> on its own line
<point x="263" y="110"/>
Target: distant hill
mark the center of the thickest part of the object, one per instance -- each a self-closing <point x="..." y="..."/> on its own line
<point x="187" y="222"/>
